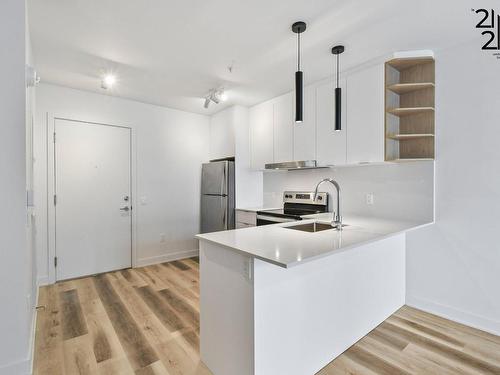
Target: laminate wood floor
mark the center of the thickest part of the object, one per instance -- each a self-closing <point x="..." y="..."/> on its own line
<point x="145" y="321"/>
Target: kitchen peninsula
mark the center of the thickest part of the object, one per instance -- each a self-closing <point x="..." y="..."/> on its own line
<point x="279" y="300"/>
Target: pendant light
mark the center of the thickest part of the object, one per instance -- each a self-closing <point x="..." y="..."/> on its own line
<point x="337" y="50"/>
<point x="299" y="28"/>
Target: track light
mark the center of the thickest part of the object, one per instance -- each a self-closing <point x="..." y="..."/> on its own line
<point x="216" y="96"/>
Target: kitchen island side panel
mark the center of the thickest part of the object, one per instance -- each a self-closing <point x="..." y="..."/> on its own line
<point x="307" y="315"/>
<point x="226" y="310"/>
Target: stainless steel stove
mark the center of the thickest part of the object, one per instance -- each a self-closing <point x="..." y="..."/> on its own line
<point x="296" y="204"/>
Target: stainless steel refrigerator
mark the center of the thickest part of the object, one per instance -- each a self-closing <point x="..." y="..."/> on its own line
<point x="217" y="196"/>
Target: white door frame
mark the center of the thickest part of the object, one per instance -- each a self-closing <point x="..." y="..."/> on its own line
<point x="51" y="212"/>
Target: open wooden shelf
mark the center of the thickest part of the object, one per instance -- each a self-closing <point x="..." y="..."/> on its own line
<point x="409" y="111"/>
<point x="404" y="88"/>
<point x="406" y="63"/>
<point x="409" y="159"/>
<point x="403" y="137"/>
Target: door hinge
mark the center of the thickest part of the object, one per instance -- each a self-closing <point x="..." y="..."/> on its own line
<point x="55" y="261"/>
<point x="54" y="137"/>
<point x="55" y="199"/>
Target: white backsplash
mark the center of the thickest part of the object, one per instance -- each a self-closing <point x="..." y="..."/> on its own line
<point x="400" y="191"/>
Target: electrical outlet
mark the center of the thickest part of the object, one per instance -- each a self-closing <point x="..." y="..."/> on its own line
<point x="369" y="199"/>
<point x="247" y="269"/>
<point x="144" y="200"/>
<point x="163" y="238"/>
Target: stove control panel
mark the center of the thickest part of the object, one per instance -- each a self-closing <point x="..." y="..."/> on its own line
<point x="305" y="197"/>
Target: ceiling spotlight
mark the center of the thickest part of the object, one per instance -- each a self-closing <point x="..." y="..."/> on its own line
<point x="108" y="81"/>
<point x="216" y="96"/>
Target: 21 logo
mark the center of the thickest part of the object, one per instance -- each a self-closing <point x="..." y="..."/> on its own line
<point x="488" y="21"/>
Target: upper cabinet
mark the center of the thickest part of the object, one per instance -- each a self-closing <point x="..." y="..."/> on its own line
<point x="275" y="137"/>
<point x="331" y="145"/>
<point x="283" y="128"/>
<point x="261" y="135"/>
<point x="304" y="133"/>
<point x="365" y="115"/>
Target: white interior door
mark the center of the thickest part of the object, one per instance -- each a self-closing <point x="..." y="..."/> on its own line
<point x="93" y="203"/>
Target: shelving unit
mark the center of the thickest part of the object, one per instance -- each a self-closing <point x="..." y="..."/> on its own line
<point x="403" y="88"/>
<point x="409" y="109"/>
<point x="403" y="137"/>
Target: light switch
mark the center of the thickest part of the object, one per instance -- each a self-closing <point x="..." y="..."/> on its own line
<point x="369" y="199"/>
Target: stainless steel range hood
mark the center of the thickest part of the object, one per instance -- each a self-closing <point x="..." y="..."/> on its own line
<point x="292" y="165"/>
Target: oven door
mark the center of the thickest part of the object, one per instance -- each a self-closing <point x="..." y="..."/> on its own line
<point x="267" y="219"/>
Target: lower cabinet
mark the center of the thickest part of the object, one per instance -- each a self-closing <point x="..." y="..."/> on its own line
<point x="243" y="225"/>
<point x="245" y="219"/>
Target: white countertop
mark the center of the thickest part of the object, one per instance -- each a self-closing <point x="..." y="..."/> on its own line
<point x="286" y="247"/>
<point x="255" y="209"/>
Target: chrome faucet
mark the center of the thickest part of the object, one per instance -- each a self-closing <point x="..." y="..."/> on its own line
<point x="337" y="218"/>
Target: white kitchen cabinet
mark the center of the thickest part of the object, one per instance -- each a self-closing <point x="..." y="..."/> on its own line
<point x="365" y="115"/>
<point x="245" y="218"/>
<point x="261" y="135"/>
<point x="304" y="134"/>
<point x="331" y="145"/>
<point x="283" y="127"/>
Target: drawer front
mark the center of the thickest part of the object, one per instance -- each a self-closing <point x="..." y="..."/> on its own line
<point x="243" y="225"/>
<point x="246" y="217"/>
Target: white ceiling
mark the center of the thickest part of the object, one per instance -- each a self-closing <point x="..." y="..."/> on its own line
<point x="171" y="52"/>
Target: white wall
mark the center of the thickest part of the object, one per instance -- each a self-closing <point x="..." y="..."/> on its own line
<point x="401" y="191"/>
<point x="229" y="136"/>
<point x="454" y="266"/>
<point x="222" y="128"/>
<point x="169" y="147"/>
<point x="31" y="214"/>
<point x="15" y="270"/>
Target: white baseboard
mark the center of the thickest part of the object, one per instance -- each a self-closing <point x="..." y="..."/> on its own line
<point x="43" y="280"/>
<point x="166" y="258"/>
<point x="18" y="368"/>
<point x="451" y="313"/>
<point x="33" y="331"/>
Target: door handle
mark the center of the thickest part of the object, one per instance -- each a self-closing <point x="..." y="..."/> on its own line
<point x="126" y="208"/>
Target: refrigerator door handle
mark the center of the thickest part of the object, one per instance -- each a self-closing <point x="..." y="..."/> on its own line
<point x="224" y="216"/>
<point x="223" y="182"/>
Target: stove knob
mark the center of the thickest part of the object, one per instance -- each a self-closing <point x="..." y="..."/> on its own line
<point x="320" y="198"/>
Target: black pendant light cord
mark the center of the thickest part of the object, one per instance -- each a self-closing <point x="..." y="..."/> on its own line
<point x="298" y="51"/>
<point x="338" y="70"/>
